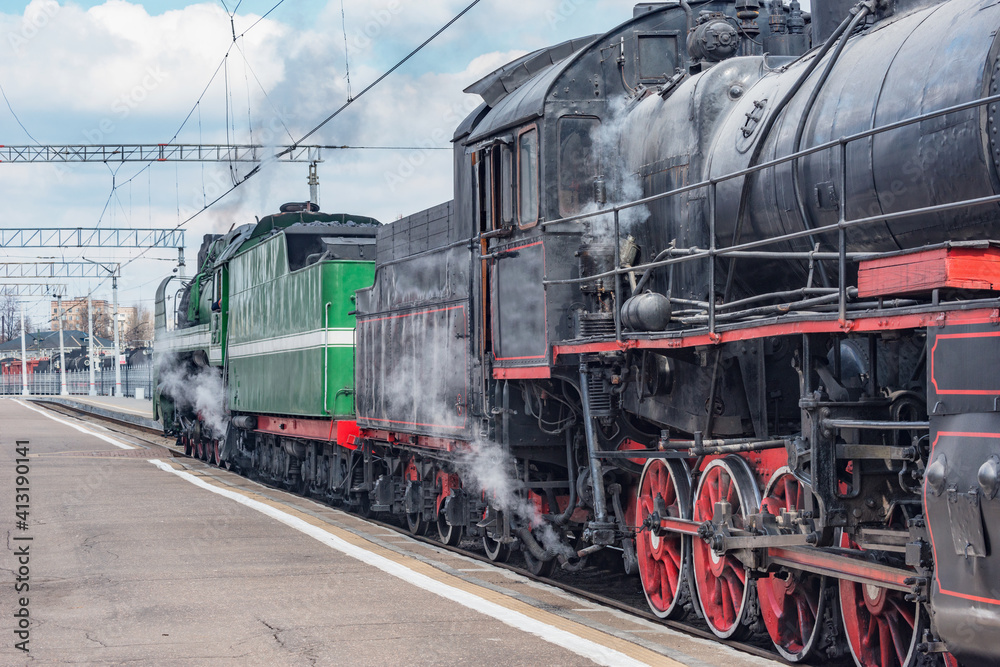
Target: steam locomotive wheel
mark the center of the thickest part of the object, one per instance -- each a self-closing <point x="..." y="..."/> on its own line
<point x="883" y="629"/>
<point x="186" y="441"/>
<point x="790" y="602"/>
<point x="496" y="551"/>
<point x="447" y="533"/>
<point x="213" y="452"/>
<point x="415" y="523"/>
<point x="663" y="488"/>
<point x="537" y="567"/>
<point x="724" y="589"/>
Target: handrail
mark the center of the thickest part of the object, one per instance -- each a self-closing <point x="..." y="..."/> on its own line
<point x="749" y="248"/>
<point x="735" y="250"/>
<point x="819" y="148"/>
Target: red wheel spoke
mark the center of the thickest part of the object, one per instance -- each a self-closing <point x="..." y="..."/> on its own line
<point x="903" y="610"/>
<point x="713" y="490"/>
<point x="892" y="622"/>
<point x="672" y="549"/>
<point x="736" y="567"/>
<point x="651" y="582"/>
<point x="885" y="644"/>
<point x="805" y="619"/>
<point x="668" y="583"/>
<point x="769" y="597"/>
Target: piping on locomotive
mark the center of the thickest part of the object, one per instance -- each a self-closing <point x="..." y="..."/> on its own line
<point x="720" y="304"/>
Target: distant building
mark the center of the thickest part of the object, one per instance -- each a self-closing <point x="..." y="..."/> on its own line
<point x="76" y="312"/>
<point x="40" y="344"/>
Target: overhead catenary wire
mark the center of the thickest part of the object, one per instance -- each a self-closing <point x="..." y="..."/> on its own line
<point x="347" y="60"/>
<point x="267" y="97"/>
<point x="12" y="113"/>
<point x="204" y="90"/>
<point x="381" y="78"/>
<point x="256" y="169"/>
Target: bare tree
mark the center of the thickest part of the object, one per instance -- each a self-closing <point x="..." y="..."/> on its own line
<point x="138" y="327"/>
<point x="102" y="322"/>
<point x="10" y="316"/>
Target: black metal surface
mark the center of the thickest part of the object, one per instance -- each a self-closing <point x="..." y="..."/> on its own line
<point x="961" y="515"/>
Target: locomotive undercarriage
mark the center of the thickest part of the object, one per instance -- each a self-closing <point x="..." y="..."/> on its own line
<point x="422" y="488"/>
<point x="806" y="525"/>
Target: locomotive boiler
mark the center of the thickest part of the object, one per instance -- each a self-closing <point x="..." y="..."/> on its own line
<point x="715" y="302"/>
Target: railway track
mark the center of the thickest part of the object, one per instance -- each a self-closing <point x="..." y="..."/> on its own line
<point x="604" y="587"/>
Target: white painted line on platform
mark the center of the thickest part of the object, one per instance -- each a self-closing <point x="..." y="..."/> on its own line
<point x="586" y="648"/>
<point x="105" y="438"/>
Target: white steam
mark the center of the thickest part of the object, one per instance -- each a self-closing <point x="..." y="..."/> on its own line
<point x="486" y="468"/>
<point x="622" y="185"/>
<point x="199" y="389"/>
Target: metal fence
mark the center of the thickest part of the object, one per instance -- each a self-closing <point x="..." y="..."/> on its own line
<point x="78" y="382"/>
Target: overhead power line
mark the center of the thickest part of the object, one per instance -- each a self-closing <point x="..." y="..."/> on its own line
<point x="392" y="69"/>
<point x="297" y="145"/>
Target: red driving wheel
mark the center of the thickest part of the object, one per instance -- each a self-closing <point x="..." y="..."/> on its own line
<point x="724" y="589"/>
<point x="883" y="629"/>
<point x="663" y="559"/>
<point x="791" y="601"/>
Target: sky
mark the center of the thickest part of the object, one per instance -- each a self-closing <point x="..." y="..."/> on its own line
<point x="87" y="72"/>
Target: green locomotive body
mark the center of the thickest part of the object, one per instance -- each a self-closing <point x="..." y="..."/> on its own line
<point x="266" y="327"/>
<point x="291" y="331"/>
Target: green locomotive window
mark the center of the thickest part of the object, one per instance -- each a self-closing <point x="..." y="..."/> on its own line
<point x="578" y="163"/>
<point x="527" y="177"/>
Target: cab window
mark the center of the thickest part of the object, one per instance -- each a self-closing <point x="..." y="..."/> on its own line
<point x="578" y="164"/>
<point x="527" y="177"/>
<point x="506" y="185"/>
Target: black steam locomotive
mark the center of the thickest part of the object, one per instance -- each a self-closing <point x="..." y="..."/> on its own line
<point x="717" y="296"/>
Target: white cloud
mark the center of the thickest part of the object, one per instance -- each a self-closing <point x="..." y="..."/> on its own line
<point x="117" y="73"/>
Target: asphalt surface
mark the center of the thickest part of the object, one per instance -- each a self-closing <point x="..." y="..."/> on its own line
<point x="177" y="564"/>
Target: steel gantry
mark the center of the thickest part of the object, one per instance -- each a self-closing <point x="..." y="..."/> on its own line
<point x="161" y="153"/>
<point x="25" y="290"/>
<point x="79" y="237"/>
<point x="54" y="269"/>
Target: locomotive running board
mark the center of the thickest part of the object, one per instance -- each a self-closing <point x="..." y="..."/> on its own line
<point x="887" y="320"/>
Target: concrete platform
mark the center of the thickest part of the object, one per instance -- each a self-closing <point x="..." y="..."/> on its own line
<point x="129" y="410"/>
<point x="140" y="558"/>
